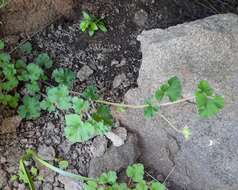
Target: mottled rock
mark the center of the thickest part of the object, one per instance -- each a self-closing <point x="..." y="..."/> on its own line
<point x="116" y="158"/>
<point x="10" y="124"/>
<point x="46" y="152"/>
<point x="203" y="49"/>
<point x="140" y="17"/>
<point x="69" y="184"/>
<point x="84" y="73"/>
<point x="118" y="80"/>
<point x="99" y="146"/>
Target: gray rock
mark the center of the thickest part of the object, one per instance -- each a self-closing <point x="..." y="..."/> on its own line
<point x="46" y="152"/>
<point x="140" y="17"/>
<point x="10" y="124"/>
<point x="84" y="73"/>
<point x="118" y="80"/>
<point x="118" y="136"/>
<point x="204" y="49"/>
<point x="47" y="186"/>
<point x="99" y="146"/>
<point x="116" y="158"/>
<point x="69" y="184"/>
<point x="3" y="178"/>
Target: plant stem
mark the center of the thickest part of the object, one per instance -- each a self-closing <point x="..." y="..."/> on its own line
<point x="170" y="124"/>
<point x="143" y="105"/>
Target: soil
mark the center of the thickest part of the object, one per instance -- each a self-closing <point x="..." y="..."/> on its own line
<point x="107" y="55"/>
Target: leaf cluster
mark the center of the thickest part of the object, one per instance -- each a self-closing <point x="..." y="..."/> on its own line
<point x="92" y="24"/>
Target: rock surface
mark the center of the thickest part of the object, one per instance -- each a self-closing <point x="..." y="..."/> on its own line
<point x="31" y="15"/>
<point x="116" y="158"/>
<point x="203" y="49"/>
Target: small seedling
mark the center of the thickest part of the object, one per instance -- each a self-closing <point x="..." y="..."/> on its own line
<point x="3" y="3"/>
<point x="92" y="24"/>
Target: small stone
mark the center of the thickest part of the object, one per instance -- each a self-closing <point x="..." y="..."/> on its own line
<point x="84" y="73"/>
<point x="116" y="140"/>
<point x="140" y="17"/>
<point x="118" y="80"/>
<point x="46" y="152"/>
<point x="116" y="158"/>
<point x="10" y="124"/>
<point x="47" y="186"/>
<point x="65" y="146"/>
<point x="69" y="184"/>
<point x="3" y="160"/>
<point x="99" y="146"/>
<point x="121" y="132"/>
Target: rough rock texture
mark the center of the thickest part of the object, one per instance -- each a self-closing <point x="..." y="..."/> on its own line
<point x="204" y="49"/>
<point x="30" y="15"/>
<point x="116" y="158"/>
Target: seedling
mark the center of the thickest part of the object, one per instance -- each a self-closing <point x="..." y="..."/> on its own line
<point x="3" y="3"/>
<point x="91" y="24"/>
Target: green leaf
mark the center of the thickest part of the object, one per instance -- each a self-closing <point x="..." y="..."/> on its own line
<point x="4" y="59"/>
<point x="108" y="178"/>
<point x="59" y="96"/>
<point x="150" y="110"/>
<point x="35" y="72"/>
<point x="204" y="87"/>
<point x="9" y="85"/>
<point x="25" y="176"/>
<point x="174" y="90"/>
<point x="135" y="172"/>
<point x="160" y="93"/>
<point x="79" y="105"/>
<point x="141" y="185"/>
<point x="86" y="16"/>
<point x="121" y="186"/>
<point x="64" y="77"/>
<point x="47" y="105"/>
<point x="100" y="127"/>
<point x="10" y="100"/>
<point x="76" y="130"/>
<point x="2" y="44"/>
<point x="104" y="115"/>
<point x="91" y="93"/>
<point x="102" y="26"/>
<point x="32" y="87"/>
<point x="63" y="164"/>
<point x="157" y="186"/>
<point x="43" y="60"/>
<point x="26" y="48"/>
<point x="9" y="71"/>
<point x="30" y="108"/>
<point x="187" y="132"/>
<point x="208" y="103"/>
<point x="13" y="178"/>
<point x="93" y="27"/>
<point x="34" y="171"/>
<point x="20" y="64"/>
<point x="84" y="25"/>
<point x="91" y="185"/>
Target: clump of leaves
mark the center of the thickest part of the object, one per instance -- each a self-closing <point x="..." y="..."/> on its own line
<point x="92" y="24"/>
<point x="107" y="180"/>
<point x="3" y="3"/>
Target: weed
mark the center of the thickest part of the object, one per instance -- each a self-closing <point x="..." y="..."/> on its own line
<point x="92" y="24"/>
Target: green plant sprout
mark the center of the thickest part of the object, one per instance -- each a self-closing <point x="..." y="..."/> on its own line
<point x="92" y="24"/>
<point x="106" y="181"/>
<point x="3" y="3"/>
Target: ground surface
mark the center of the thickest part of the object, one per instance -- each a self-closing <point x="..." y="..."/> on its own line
<point x="113" y="61"/>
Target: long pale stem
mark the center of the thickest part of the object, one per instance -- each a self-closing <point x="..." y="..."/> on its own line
<point x="170" y="124"/>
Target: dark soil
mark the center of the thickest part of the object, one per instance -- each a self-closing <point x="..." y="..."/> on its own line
<point x="108" y="55"/>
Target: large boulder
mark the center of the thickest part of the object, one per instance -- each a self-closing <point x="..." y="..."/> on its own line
<point x="203" y="49"/>
<point x="28" y="16"/>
